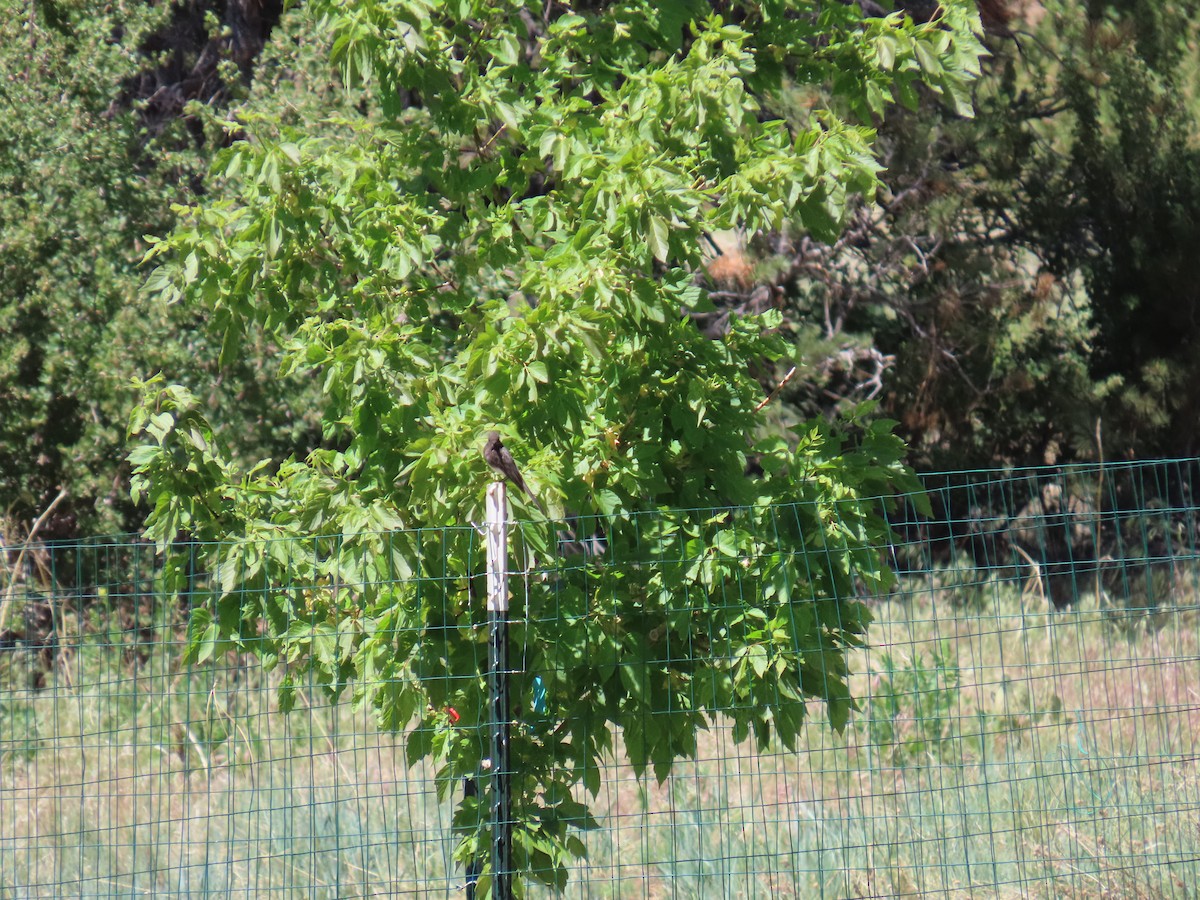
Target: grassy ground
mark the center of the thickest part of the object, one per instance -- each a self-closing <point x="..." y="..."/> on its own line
<point x="1002" y="751"/>
<point x="122" y="776"/>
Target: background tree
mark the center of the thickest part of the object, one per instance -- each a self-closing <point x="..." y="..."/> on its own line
<point x="1023" y="276"/>
<point x="1023" y="279"/>
<point x="97" y="146"/>
<point x="1111" y="203"/>
<point x="505" y="234"/>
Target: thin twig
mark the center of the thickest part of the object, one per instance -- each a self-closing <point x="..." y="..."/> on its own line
<point x="771" y="396"/>
<point x="222" y="709"/>
<point x="199" y="748"/>
<point x="1035" y="577"/>
<point x="10" y="592"/>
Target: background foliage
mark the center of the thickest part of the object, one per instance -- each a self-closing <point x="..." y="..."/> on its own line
<point x="1023" y="278"/>
<point x="97" y="142"/>
<point x="1022" y="291"/>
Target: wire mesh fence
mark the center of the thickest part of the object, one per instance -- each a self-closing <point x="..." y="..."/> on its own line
<point x="1029" y="712"/>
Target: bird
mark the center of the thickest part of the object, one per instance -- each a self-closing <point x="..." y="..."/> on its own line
<point x="501" y="461"/>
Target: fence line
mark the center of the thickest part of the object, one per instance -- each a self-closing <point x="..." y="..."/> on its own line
<point x="1030" y="712"/>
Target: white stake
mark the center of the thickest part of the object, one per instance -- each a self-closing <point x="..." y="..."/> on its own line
<point x="497" y="547"/>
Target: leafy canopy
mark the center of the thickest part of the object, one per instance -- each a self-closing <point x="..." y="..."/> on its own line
<point x="505" y="236"/>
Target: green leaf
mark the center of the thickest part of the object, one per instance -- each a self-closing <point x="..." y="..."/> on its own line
<point x="885" y="50"/>
<point x="287" y="694"/>
<point x="657" y="234"/>
<point x="607" y="501"/>
<point x="201" y="636"/>
<point x="291" y="151"/>
<point x="759" y="660"/>
<point x="632" y="677"/>
<point x="726" y="543"/>
<point x="231" y="345"/>
<point x="929" y="62"/>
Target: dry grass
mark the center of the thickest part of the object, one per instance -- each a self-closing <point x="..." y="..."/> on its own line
<point x="160" y="785"/>
<point x="1053" y="755"/>
<point x="1002" y="752"/>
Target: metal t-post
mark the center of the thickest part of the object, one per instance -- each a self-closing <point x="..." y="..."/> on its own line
<point x="497" y="604"/>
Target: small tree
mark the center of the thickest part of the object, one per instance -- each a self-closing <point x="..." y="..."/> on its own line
<point x="506" y="238"/>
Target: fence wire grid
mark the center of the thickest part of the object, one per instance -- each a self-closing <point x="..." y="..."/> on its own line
<point x="1028" y="727"/>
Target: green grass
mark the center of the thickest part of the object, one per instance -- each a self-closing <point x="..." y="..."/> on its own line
<point x="1002" y="751"/>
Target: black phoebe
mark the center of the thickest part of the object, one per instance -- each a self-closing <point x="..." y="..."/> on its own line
<point x="496" y="455"/>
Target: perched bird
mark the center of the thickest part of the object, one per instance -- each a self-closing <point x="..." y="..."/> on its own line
<point x="498" y="457"/>
<point x="501" y="461"/>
